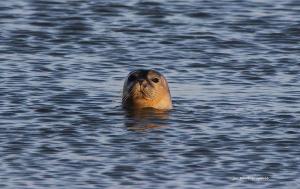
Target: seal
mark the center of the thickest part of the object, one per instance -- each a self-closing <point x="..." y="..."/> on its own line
<point x="146" y="89"/>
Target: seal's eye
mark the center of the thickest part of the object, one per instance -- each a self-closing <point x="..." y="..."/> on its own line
<point x="155" y="80"/>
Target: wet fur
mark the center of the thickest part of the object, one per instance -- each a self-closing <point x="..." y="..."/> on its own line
<point x="146" y="94"/>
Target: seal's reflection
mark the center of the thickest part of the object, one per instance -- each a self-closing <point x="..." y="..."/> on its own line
<point x="145" y="119"/>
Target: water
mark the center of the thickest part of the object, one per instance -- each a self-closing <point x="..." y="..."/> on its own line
<point x="233" y="69"/>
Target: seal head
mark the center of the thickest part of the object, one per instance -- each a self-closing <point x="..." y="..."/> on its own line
<point x="146" y="89"/>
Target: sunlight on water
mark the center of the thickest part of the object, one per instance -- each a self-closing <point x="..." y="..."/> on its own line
<point x="233" y="70"/>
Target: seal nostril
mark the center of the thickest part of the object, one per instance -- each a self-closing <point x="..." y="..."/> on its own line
<point x="140" y="81"/>
<point x="144" y="84"/>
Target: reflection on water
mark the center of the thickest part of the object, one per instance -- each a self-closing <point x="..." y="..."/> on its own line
<point x="234" y="74"/>
<point x="146" y="119"/>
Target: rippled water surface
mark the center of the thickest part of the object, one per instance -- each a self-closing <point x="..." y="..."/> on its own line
<point x="234" y="72"/>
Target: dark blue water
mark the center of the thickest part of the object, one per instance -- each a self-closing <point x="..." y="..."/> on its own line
<point x="234" y="72"/>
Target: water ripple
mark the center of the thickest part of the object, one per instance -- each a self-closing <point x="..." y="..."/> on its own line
<point x="233" y="69"/>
